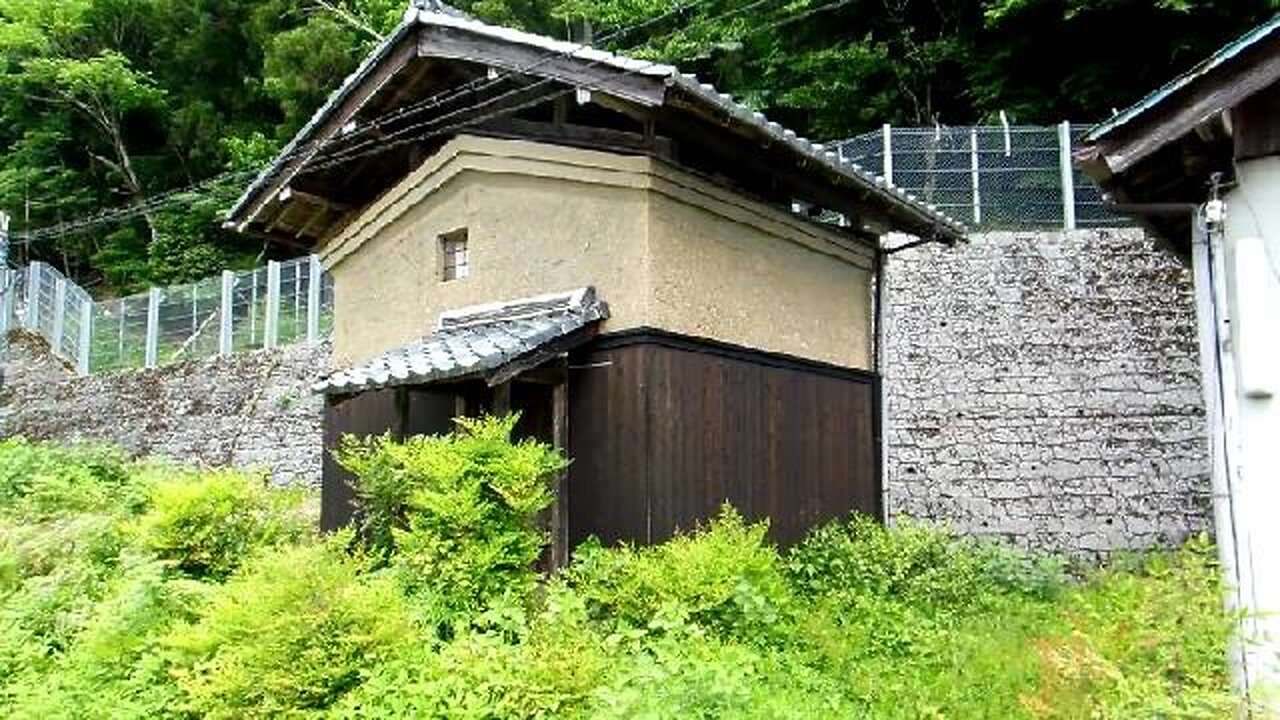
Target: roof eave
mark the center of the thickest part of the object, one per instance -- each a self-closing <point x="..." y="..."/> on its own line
<point x="1181" y="82"/>
<point x="236" y="218"/>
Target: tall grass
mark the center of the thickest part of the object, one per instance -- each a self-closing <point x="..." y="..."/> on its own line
<point x="140" y="590"/>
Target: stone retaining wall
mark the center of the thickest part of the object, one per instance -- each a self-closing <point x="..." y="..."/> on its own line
<point x="1045" y="388"/>
<point x="249" y="410"/>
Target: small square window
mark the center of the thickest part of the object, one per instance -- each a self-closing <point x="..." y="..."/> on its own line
<point x="453" y="255"/>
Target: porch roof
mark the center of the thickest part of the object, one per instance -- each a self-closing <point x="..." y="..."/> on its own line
<point x="495" y="342"/>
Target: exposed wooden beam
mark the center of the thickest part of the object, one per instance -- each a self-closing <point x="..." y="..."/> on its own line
<point x="559" y="520"/>
<point x="576" y="135"/>
<point x="291" y="193"/>
<point x="1224" y="88"/>
<point x="542" y="355"/>
<point x="460" y="44"/>
<point x="350" y="105"/>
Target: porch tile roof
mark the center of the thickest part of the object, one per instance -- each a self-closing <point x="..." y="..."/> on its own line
<point x="477" y="341"/>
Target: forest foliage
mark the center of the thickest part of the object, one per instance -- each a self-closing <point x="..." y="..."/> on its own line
<point x="142" y="590"/>
<point x="118" y="103"/>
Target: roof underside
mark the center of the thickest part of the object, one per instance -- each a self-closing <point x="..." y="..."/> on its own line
<point x="439" y="74"/>
<point x="1155" y="158"/>
<point x="494" y="342"/>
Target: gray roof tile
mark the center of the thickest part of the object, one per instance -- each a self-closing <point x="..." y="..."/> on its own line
<point x="473" y="340"/>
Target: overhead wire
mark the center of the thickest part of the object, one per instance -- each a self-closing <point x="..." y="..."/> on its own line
<point x="387" y="142"/>
<point x="380" y="144"/>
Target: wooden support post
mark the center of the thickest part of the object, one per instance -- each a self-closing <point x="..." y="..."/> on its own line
<point x="502" y="398"/>
<point x="153" y="327"/>
<point x="226" y="314"/>
<point x="271" y="324"/>
<point x="973" y="172"/>
<point x="1068" y="178"/>
<point x="315" y="281"/>
<point x="86" y="335"/>
<point x="59" y="314"/>
<point x="560" y="506"/>
<point x="887" y="137"/>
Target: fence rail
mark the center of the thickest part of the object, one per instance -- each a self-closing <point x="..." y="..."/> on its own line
<point x="279" y="304"/>
<point x="990" y="177"/>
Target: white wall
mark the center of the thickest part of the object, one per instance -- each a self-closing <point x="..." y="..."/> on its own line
<point x="1251" y="349"/>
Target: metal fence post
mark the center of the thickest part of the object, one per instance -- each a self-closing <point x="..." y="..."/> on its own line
<point x="86" y="335"/>
<point x="271" y="323"/>
<point x="7" y="283"/>
<point x="153" y="327"/>
<point x="887" y="133"/>
<point x="8" y="288"/>
<point x="315" y="277"/>
<point x="973" y="172"/>
<point x="226" y="313"/>
<point x="59" y="314"/>
<point x="32" y="320"/>
<point x="1068" y="178"/>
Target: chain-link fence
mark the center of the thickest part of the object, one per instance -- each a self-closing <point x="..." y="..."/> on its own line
<point x="282" y="303"/>
<point x="990" y="177"/>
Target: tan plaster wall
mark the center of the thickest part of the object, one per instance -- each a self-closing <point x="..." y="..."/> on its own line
<point x="714" y="276"/>
<point x="664" y="248"/>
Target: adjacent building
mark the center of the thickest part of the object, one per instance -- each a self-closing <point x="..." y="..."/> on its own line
<point x="1198" y="161"/>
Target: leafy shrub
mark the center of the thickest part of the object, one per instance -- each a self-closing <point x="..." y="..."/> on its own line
<point x="915" y="563"/>
<point x="39" y="480"/>
<point x="206" y="524"/>
<point x="52" y="572"/>
<point x="115" y="661"/>
<point x="1149" y="643"/>
<point x="696" y="676"/>
<point x="724" y="577"/>
<point x="457" y="510"/>
<point x="550" y="672"/>
<point x="136" y="590"/>
<point x="290" y="632"/>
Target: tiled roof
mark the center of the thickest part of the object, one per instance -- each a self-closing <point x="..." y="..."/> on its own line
<point x="474" y="341"/>
<point x="429" y="12"/>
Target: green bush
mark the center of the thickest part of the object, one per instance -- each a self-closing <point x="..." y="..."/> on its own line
<point x="697" y="676"/>
<point x="208" y="523"/>
<point x="458" y="511"/>
<point x="116" y="664"/>
<point x="916" y="563"/>
<point x="724" y="577"/>
<point x="135" y="590"/>
<point x="291" y="631"/>
<point x="1118" y="657"/>
<point x="39" y="480"/>
<point x="550" y="672"/>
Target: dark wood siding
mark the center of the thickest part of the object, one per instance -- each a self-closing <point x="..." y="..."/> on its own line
<point x="663" y="430"/>
<point x="398" y="411"/>
<point x="607" y="485"/>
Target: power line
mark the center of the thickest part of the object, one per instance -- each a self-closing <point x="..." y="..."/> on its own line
<point x="173" y="197"/>
<point x="387" y="142"/>
<point x="162" y="200"/>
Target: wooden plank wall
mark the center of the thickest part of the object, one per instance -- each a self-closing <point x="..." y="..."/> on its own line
<point x="399" y="411"/>
<point x="663" y="432"/>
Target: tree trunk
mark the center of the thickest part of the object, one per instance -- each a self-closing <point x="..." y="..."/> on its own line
<point x="131" y="178"/>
